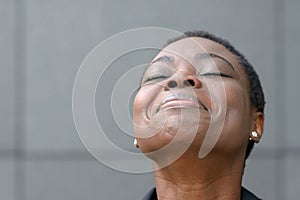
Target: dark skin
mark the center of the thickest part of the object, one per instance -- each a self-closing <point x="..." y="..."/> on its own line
<point x="195" y="95"/>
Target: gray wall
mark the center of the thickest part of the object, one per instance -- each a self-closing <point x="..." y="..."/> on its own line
<point x="43" y="43"/>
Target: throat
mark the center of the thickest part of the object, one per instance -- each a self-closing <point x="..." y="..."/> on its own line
<point x="192" y="185"/>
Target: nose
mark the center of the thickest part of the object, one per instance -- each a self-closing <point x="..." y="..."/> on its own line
<point x="182" y="81"/>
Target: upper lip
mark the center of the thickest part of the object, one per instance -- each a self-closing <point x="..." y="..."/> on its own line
<point x="182" y="96"/>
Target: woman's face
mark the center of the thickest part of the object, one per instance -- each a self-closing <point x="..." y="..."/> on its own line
<point x="193" y="91"/>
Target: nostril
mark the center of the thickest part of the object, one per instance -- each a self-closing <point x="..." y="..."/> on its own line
<point x="172" y="84"/>
<point x="189" y="82"/>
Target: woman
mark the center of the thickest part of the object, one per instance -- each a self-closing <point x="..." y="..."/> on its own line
<point x="197" y="115"/>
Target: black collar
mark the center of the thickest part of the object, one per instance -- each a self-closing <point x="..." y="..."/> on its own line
<point x="245" y="195"/>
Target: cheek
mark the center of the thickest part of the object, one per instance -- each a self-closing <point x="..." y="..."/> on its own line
<point x="235" y="117"/>
<point x="238" y="119"/>
<point x="232" y="104"/>
<point x="142" y="102"/>
<point x="229" y="96"/>
<point x="138" y="107"/>
<point x="237" y="98"/>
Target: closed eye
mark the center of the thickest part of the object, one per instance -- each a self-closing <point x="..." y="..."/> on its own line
<point x="152" y="78"/>
<point x="216" y="74"/>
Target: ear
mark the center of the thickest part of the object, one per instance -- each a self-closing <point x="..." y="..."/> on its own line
<point x="258" y="127"/>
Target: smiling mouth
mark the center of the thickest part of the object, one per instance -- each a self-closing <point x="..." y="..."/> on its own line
<point x="181" y="101"/>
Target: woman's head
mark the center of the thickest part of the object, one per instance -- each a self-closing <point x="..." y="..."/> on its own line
<point x="199" y="83"/>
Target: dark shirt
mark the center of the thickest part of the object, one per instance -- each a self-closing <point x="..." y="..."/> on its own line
<point x="245" y="195"/>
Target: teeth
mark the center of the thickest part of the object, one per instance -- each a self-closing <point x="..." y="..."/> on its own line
<point x="181" y="97"/>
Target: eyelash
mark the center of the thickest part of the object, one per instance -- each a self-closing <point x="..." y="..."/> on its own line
<point x="155" y="77"/>
<point x="216" y="74"/>
<point x="206" y="74"/>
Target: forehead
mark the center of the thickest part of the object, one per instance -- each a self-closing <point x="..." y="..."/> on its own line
<point x="187" y="48"/>
<point x="184" y="50"/>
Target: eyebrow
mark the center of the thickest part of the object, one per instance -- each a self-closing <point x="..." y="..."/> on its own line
<point x="167" y="59"/>
<point x="200" y="56"/>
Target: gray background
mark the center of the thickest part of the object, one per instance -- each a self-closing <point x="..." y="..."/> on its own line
<point x="43" y="43"/>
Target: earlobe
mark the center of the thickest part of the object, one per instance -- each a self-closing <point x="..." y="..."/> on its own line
<point x="258" y="127"/>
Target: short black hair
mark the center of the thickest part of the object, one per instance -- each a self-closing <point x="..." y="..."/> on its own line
<point x="256" y="95"/>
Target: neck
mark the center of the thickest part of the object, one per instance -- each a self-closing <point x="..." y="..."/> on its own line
<point x="206" y="178"/>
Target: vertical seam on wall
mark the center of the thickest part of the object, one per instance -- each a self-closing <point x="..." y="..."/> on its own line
<point x="19" y="99"/>
<point x="280" y="101"/>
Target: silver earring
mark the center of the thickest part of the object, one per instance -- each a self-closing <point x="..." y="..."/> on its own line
<point x="135" y="143"/>
<point x="254" y="134"/>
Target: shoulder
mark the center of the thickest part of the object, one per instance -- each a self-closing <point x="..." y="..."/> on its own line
<point x="151" y="195"/>
<point x="247" y="195"/>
